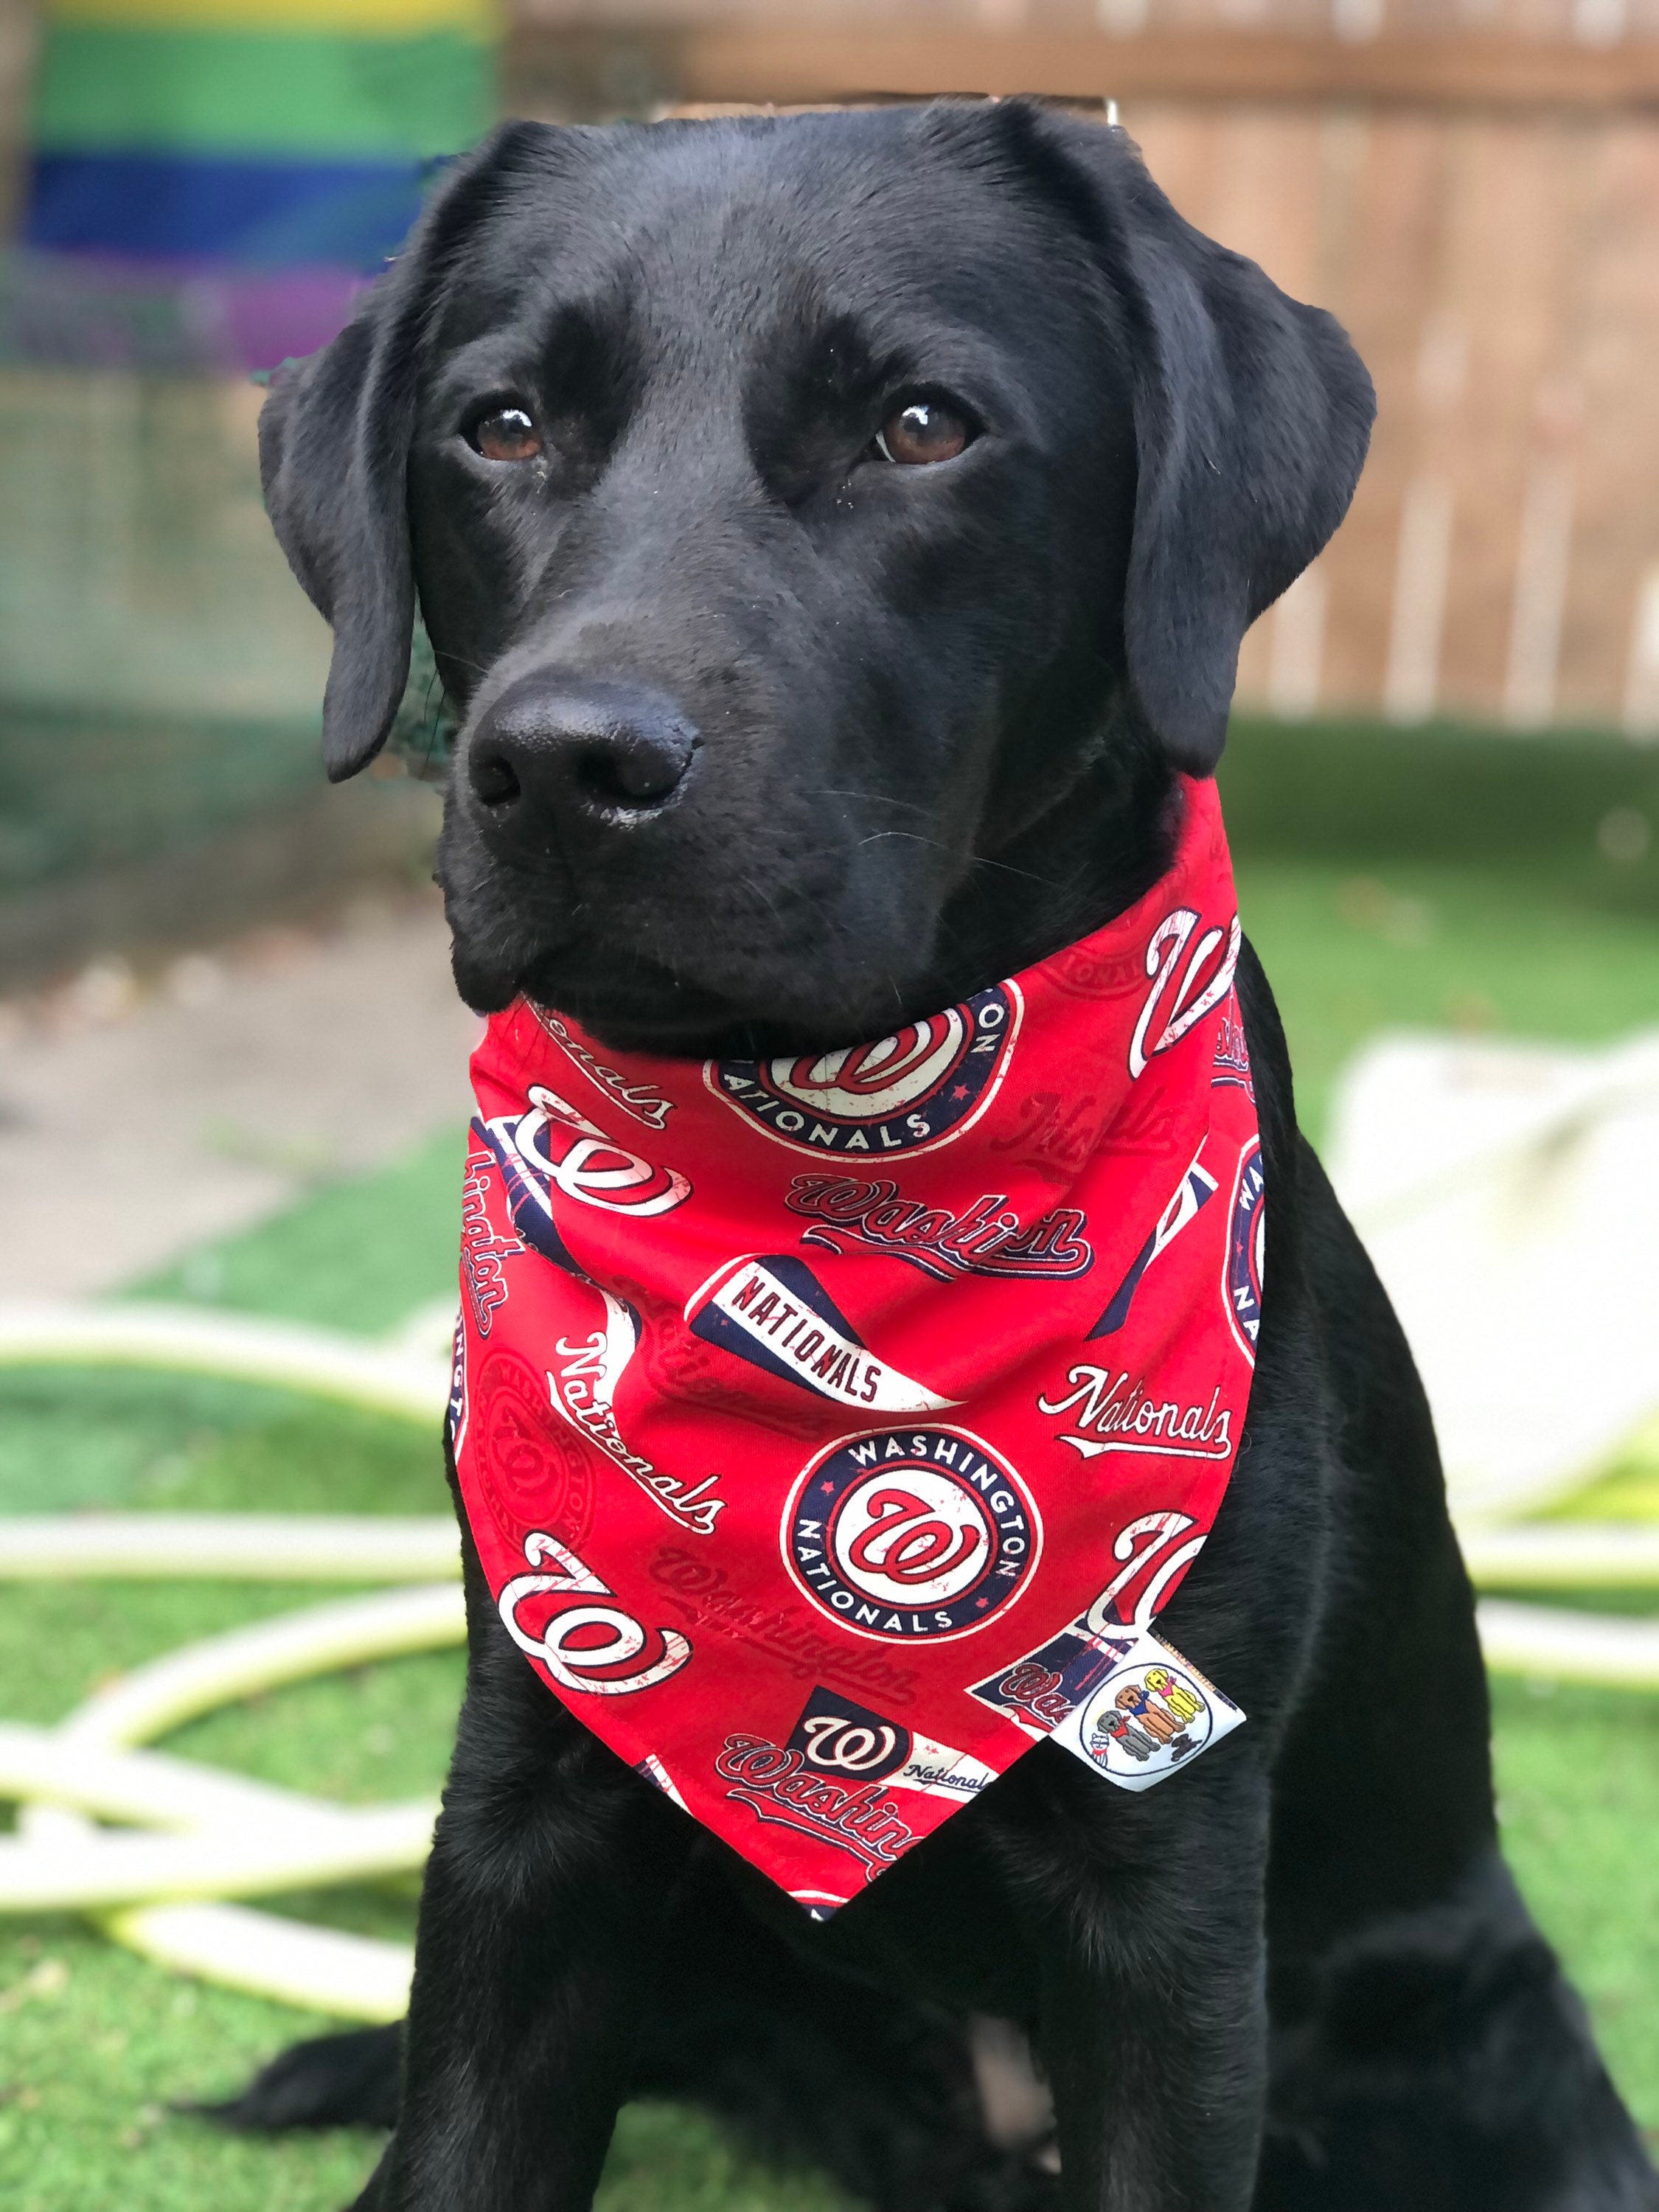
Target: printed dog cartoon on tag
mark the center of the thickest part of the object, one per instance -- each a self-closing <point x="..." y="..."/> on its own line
<point x="1161" y="1712"/>
<point x="1149" y="1716"/>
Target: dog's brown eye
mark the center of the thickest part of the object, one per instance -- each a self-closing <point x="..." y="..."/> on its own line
<point x="924" y="432"/>
<point x="509" y="434"/>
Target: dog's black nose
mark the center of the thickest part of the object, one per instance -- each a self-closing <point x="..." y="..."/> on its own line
<point x="558" y="756"/>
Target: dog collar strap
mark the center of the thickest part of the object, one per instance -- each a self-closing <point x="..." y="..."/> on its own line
<point x="831" y="1429"/>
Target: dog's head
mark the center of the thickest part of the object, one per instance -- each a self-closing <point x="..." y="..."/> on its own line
<point x="836" y="530"/>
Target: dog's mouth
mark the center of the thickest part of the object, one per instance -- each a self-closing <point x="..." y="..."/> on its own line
<point x="645" y="1008"/>
<point x="698" y="956"/>
<point x="630" y="1002"/>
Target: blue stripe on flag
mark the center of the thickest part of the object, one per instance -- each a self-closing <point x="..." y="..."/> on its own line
<point x="271" y="214"/>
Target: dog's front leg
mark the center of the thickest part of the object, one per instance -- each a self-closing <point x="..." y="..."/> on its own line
<point x="551" y="1874"/>
<point x="1153" y="2026"/>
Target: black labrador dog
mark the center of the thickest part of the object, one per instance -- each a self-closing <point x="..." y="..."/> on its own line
<point x="836" y="531"/>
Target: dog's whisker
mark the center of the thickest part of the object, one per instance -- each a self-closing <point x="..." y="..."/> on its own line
<point x="869" y="798"/>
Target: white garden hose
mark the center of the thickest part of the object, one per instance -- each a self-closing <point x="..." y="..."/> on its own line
<point x="353" y="1977"/>
<point x="347" y="1632"/>
<point x="149" y="1788"/>
<point x="265" y="1955"/>
<point x="385" y="1378"/>
<point x="1552" y="1645"/>
<point x="232" y="1836"/>
<point x="1563" y="1555"/>
<point x="267" y="1548"/>
<point x="103" y="1867"/>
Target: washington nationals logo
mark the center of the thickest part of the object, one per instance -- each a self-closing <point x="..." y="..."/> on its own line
<point x="1207" y="979"/>
<point x="911" y="1533"/>
<point x="596" y="1649"/>
<point x="837" y="1737"/>
<point x="906" y="1092"/>
<point x="1246" y="1235"/>
<point x="552" y="1148"/>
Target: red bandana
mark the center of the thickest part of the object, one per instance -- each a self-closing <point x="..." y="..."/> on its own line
<point x="832" y="1428"/>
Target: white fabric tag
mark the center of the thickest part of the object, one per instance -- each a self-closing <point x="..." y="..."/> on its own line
<point x="1153" y="1713"/>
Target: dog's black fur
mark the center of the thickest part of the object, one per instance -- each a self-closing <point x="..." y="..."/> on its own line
<point x="769" y="743"/>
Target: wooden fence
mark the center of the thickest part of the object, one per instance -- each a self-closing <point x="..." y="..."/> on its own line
<point x="1500" y="274"/>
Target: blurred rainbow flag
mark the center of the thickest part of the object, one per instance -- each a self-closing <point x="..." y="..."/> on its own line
<point x="262" y="156"/>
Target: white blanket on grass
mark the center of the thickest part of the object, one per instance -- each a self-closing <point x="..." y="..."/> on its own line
<point x="1509" y="1195"/>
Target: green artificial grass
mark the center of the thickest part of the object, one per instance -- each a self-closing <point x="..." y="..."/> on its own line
<point x="74" y="1437"/>
<point x="358" y="1255"/>
<point x="1578" y="1798"/>
<point x="1575" y="814"/>
<point x="97" y="2046"/>
<point x="1350" y="951"/>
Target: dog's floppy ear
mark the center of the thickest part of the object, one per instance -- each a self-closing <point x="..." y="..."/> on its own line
<point x="1252" y="417"/>
<point x="334" y="438"/>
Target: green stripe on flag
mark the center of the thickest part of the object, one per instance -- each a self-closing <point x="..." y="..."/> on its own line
<point x="225" y="92"/>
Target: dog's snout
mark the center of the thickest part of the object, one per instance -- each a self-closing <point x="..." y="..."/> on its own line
<point x="556" y="758"/>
